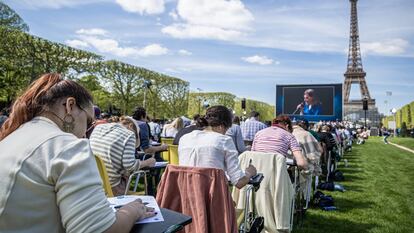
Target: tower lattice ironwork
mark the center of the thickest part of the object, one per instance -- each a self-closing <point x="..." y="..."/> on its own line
<point x="354" y="72"/>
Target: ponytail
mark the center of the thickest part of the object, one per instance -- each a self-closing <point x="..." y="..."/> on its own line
<point x="43" y="92"/>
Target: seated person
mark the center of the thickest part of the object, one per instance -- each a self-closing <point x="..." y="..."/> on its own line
<point x="311" y="149"/>
<point x="193" y="126"/>
<point x="49" y="178"/>
<point x="326" y="137"/>
<point x="140" y="116"/>
<point x="211" y="148"/>
<point x="115" y="143"/>
<point x="278" y="139"/>
<point x="170" y="130"/>
<point x="236" y="135"/>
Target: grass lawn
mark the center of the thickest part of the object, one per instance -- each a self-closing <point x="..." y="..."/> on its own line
<point x="407" y="142"/>
<point x="379" y="181"/>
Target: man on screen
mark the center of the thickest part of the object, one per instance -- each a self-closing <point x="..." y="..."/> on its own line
<point x="310" y="104"/>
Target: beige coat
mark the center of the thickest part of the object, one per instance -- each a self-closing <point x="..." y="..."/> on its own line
<point x="274" y="199"/>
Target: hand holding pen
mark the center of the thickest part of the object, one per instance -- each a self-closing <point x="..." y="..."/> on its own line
<point x="250" y="170"/>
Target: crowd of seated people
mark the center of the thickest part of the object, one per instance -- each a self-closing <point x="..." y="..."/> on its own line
<point x="48" y="158"/>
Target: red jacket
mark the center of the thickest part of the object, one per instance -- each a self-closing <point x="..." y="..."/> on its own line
<point x="202" y="193"/>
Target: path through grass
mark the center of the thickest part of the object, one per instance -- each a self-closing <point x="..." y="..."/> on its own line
<point x="379" y="196"/>
<point x="407" y="142"/>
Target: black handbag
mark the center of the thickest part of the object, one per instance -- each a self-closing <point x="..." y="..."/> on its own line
<point x="256" y="223"/>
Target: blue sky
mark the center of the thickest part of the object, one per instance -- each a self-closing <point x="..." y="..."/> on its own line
<point x="241" y="47"/>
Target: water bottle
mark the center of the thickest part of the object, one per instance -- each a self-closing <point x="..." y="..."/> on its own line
<point x="346" y="162"/>
<point x="329" y="208"/>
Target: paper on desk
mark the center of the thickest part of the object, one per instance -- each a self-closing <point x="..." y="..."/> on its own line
<point x="122" y="200"/>
<point x="161" y="164"/>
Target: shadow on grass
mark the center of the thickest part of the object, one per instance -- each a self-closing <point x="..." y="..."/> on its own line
<point x="315" y="222"/>
<point x="349" y="177"/>
<point x="346" y="205"/>
<point x="353" y="188"/>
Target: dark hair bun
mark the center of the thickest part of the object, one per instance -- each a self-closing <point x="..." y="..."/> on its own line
<point x="201" y="122"/>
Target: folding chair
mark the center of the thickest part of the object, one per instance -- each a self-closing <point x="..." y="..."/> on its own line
<point x="104" y="176"/>
<point x="173" y="151"/>
<point x="107" y="185"/>
<point x="166" y="154"/>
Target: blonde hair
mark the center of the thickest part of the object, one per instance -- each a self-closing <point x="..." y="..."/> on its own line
<point x="178" y="123"/>
<point x="129" y="124"/>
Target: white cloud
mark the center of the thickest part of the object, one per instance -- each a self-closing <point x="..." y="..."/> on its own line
<point x="109" y="46"/>
<point x="261" y="60"/>
<point x="388" y="47"/>
<point x="99" y="39"/>
<point x="142" y="6"/>
<point x="153" y="50"/>
<point x="92" y="32"/>
<point x="183" y="31"/>
<point x="173" y="15"/>
<point x="184" y="52"/>
<point x="214" y="19"/>
<point x="77" y="43"/>
<point x="55" y="4"/>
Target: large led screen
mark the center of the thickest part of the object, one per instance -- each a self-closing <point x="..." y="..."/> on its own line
<point x="314" y="102"/>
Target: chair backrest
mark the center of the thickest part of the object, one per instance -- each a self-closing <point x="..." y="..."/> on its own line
<point x="173" y="150"/>
<point x="104" y="176"/>
<point x="274" y="199"/>
<point x="202" y="193"/>
<point x="168" y="141"/>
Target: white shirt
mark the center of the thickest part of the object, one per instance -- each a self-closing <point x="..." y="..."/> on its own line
<point x="211" y="150"/>
<point x="169" y="131"/>
<point x="50" y="182"/>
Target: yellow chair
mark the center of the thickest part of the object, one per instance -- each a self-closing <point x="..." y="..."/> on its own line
<point x="166" y="154"/>
<point x="104" y="176"/>
<point x="168" y="141"/>
<point x="173" y="149"/>
<point x="107" y="186"/>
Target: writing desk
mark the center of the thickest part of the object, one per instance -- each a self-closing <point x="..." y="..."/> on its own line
<point x="170" y="218"/>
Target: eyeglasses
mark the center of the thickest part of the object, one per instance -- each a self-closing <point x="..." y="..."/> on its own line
<point x="89" y="119"/>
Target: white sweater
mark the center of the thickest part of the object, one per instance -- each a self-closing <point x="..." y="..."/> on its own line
<point x="49" y="182"/>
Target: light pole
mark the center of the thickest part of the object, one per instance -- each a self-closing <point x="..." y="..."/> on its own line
<point x="147" y="85"/>
<point x="394" y="111"/>
<point x="365" y="108"/>
<point x="199" y="100"/>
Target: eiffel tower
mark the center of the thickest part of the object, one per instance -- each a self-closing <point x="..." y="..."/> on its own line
<point x="355" y="74"/>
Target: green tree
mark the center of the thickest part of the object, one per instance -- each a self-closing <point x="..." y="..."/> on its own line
<point x="101" y="97"/>
<point x="123" y="81"/>
<point x="10" y="19"/>
<point x="167" y="97"/>
<point x="197" y="100"/>
<point x="267" y="111"/>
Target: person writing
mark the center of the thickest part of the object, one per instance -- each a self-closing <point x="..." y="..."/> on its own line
<point x="50" y="181"/>
<point x="116" y="143"/>
<point x="310" y="104"/>
<point x="211" y="148"/>
<point x="279" y="139"/>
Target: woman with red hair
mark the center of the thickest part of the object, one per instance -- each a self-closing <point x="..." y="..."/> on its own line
<point x="49" y="178"/>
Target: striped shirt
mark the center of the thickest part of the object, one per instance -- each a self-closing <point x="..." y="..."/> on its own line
<point x="115" y="144"/>
<point x="275" y="140"/>
<point x="250" y="128"/>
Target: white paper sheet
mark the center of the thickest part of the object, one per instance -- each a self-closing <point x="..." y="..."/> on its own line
<point x="161" y="164"/>
<point x="122" y="200"/>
